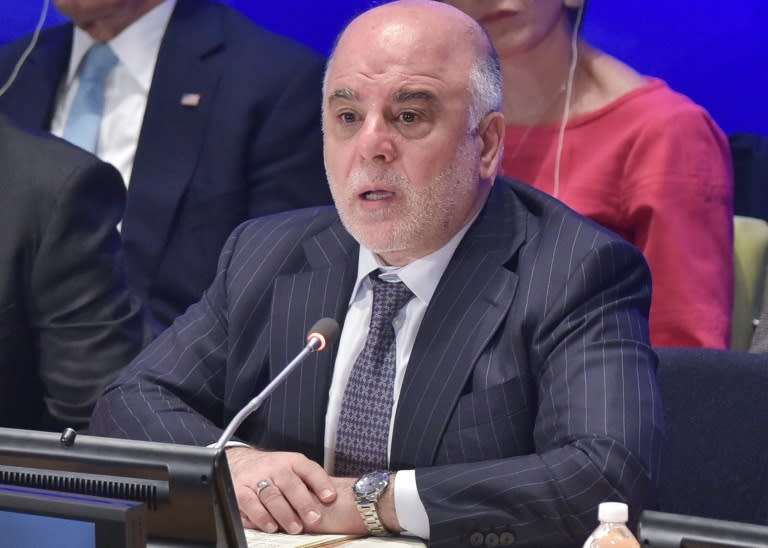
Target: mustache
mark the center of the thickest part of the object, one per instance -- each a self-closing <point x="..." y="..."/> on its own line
<point x="363" y="178"/>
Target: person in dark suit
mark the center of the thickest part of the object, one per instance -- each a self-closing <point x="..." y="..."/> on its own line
<point x="67" y="321"/>
<point x="226" y="127"/>
<point x="522" y="388"/>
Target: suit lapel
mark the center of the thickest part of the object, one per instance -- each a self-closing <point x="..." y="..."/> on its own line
<point x="298" y="407"/>
<point x="172" y="133"/>
<point x="471" y="300"/>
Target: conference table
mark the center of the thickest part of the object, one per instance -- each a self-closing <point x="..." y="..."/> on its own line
<point x="257" y="539"/>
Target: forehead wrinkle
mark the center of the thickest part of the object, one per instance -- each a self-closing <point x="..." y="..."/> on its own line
<point x="391" y="77"/>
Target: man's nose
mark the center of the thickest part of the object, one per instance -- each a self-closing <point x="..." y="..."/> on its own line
<point x="376" y="140"/>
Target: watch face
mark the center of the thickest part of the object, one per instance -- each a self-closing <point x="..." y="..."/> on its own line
<point x="371" y="485"/>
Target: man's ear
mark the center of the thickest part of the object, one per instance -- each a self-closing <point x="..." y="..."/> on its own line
<point x="491" y="135"/>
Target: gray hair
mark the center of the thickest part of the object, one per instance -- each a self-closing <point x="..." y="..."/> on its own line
<point x="486" y="87"/>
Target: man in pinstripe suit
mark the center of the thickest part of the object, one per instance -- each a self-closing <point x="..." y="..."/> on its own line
<point x="525" y="391"/>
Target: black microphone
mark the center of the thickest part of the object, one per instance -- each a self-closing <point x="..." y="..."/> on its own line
<point x="324" y="332"/>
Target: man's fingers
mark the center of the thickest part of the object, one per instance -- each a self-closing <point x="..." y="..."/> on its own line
<point x="316" y="479"/>
<point x="294" y="489"/>
<point x="248" y="524"/>
<point x="285" y="490"/>
<point x="307" y="488"/>
<point x="280" y="509"/>
<point x="252" y="512"/>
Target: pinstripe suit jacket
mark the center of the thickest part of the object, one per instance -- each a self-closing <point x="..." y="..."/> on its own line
<point x="530" y="395"/>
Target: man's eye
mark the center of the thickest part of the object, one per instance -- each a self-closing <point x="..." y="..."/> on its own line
<point x="347" y="117"/>
<point x="408" y="117"/>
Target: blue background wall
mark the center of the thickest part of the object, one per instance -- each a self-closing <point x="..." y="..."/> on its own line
<point x="714" y="52"/>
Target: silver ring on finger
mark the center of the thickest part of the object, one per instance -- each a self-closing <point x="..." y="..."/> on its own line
<point x="261" y="485"/>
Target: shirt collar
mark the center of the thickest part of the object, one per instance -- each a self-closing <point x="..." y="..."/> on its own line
<point x="136" y="46"/>
<point x="421" y="276"/>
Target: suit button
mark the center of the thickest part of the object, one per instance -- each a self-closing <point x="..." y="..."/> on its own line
<point x="491" y="539"/>
<point x="476" y="539"/>
<point x="507" y="539"/>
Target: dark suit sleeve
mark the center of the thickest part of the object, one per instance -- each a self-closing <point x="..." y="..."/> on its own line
<point x="88" y="325"/>
<point x="218" y="355"/>
<point x="174" y="390"/>
<point x="285" y="163"/>
<point x="597" y="425"/>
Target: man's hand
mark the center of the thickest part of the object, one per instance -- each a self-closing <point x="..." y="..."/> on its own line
<point x="342" y="516"/>
<point x="301" y="497"/>
<point x="296" y="496"/>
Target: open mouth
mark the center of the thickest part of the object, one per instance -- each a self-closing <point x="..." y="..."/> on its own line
<point x="375" y="195"/>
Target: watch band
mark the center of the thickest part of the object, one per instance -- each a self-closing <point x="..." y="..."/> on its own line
<point x="371" y="518"/>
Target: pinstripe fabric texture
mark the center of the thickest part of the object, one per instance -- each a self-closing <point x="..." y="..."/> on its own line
<point x="529" y="398"/>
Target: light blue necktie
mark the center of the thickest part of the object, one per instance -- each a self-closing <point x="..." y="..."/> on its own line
<point x="82" y="127"/>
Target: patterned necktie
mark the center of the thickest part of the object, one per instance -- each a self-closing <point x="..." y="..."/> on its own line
<point x="760" y="336"/>
<point x="363" y="433"/>
<point x="82" y="127"/>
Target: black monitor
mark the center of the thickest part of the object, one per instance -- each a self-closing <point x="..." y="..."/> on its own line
<point x="187" y="490"/>
<point x="665" y="530"/>
<point x="37" y="518"/>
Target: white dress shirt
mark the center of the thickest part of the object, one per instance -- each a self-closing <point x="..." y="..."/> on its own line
<point x="421" y="277"/>
<point x="127" y="86"/>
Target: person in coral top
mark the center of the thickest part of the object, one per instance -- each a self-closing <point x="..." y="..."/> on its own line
<point x="625" y="150"/>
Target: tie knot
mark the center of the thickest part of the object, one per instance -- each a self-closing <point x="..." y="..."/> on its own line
<point x="97" y="63"/>
<point x="388" y="297"/>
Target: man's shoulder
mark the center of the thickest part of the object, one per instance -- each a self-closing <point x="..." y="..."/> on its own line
<point x="284" y="242"/>
<point x="242" y="33"/>
<point x="554" y="237"/>
<point x="28" y="146"/>
<point x="294" y="224"/>
<point x="11" y="52"/>
<point x="45" y="174"/>
<point x="549" y="228"/>
<point x="52" y="40"/>
<point x="547" y="212"/>
<point x="67" y="174"/>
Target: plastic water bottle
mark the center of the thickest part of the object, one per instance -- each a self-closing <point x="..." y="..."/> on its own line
<point x="613" y="530"/>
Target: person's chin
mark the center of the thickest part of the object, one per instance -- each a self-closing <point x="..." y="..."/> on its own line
<point x="373" y="216"/>
<point x="376" y="236"/>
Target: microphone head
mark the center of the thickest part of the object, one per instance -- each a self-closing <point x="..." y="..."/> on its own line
<point x="325" y="332"/>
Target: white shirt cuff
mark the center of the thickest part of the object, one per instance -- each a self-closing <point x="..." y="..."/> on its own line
<point x="410" y="510"/>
